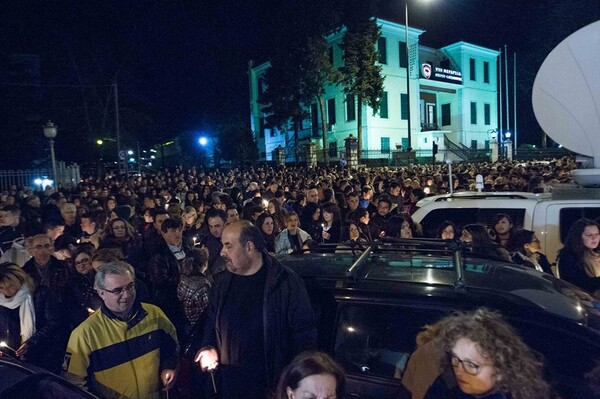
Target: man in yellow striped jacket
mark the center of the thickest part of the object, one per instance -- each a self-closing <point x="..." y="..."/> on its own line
<point x="126" y="349"/>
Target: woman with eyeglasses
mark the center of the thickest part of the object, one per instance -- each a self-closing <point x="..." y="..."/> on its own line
<point x="82" y="298"/>
<point x="31" y="324"/>
<point x="526" y="251"/>
<point x="484" y="357"/>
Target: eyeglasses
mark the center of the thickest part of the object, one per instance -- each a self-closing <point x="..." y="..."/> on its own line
<point x="83" y="261"/>
<point x="45" y="246"/>
<point x="468" y="366"/>
<point x="130" y="288"/>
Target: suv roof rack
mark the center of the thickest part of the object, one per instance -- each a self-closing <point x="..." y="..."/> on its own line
<point x="359" y="268"/>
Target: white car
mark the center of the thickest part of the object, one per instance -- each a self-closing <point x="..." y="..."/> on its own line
<point x="550" y="215"/>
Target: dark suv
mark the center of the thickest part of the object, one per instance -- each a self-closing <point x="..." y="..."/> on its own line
<point x="371" y="302"/>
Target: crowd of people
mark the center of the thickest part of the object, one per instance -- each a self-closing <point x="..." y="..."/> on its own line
<point x="123" y="283"/>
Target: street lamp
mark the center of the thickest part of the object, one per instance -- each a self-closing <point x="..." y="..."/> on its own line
<point x="50" y="131"/>
<point x="508" y="144"/>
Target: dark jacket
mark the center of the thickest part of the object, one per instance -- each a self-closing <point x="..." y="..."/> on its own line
<point x="81" y="295"/>
<point x="520" y="259"/>
<point x="8" y="234"/>
<point x="571" y="269"/>
<point x="216" y="264"/>
<point x="163" y="276"/>
<point x="58" y="275"/>
<point x="288" y="318"/>
<point x="445" y="387"/>
<point x="132" y="249"/>
<point x="46" y="346"/>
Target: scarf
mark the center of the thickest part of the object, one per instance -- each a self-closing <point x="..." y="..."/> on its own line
<point x="177" y="251"/>
<point x="24" y="301"/>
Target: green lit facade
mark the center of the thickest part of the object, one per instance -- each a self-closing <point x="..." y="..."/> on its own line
<point x="453" y="96"/>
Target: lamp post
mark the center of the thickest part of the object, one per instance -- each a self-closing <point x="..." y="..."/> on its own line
<point x="494" y="144"/>
<point x="509" y="145"/>
<point x="50" y="131"/>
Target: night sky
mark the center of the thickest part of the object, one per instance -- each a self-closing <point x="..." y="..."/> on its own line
<point x="185" y="62"/>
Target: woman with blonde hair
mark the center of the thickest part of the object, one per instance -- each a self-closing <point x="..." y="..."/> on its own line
<point x="31" y="323"/>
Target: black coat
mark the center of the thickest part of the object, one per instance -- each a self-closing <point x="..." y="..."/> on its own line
<point x="58" y="275"/>
<point x="571" y="269"/>
<point x="47" y="345"/>
<point x="289" y="325"/>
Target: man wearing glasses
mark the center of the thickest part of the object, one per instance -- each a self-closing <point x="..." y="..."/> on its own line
<point x="125" y="349"/>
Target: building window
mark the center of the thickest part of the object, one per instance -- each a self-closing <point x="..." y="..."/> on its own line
<point x="486" y="72"/>
<point x="473" y="144"/>
<point x="333" y="149"/>
<point x="331" y="55"/>
<point x="446" y="118"/>
<point x="383" y="106"/>
<point x="472" y="71"/>
<point x="331" y="111"/>
<point x="385" y="145"/>
<point x="486" y="114"/>
<point x="382" y="50"/>
<point x="402" y="54"/>
<point x="350" y="107"/>
<point x="404" y="106"/>
<point x="473" y="113"/>
<point x="261" y="128"/>
<point x="273" y="131"/>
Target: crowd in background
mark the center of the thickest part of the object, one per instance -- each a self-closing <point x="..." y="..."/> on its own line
<point x="169" y="226"/>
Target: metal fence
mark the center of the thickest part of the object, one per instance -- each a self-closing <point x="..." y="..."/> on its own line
<point x="38" y="179"/>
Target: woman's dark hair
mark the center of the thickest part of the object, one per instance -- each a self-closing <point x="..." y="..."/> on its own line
<point x="443" y="226"/>
<point x="498" y="217"/>
<point x="305" y="365"/>
<point x="480" y="234"/>
<point x="518" y="239"/>
<point x="574" y="242"/>
<point x="394" y="226"/>
<point x="261" y="220"/>
<point x="87" y="248"/>
<point x="330" y="207"/>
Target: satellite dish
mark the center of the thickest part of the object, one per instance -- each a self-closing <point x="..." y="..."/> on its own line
<point x="566" y="93"/>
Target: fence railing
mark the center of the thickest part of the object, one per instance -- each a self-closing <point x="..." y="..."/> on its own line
<point x="67" y="176"/>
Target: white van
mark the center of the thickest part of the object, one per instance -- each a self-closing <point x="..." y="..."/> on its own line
<point x="550" y="215"/>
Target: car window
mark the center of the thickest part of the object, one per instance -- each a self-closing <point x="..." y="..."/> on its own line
<point x="460" y="216"/>
<point x="44" y="386"/>
<point x="569" y="215"/>
<point x="463" y="216"/>
<point x="572" y="362"/>
<point x="378" y="340"/>
<point x="486" y="216"/>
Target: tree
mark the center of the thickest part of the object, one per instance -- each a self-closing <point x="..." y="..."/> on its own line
<point x="236" y="142"/>
<point x="361" y="75"/>
<point x="300" y="66"/>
